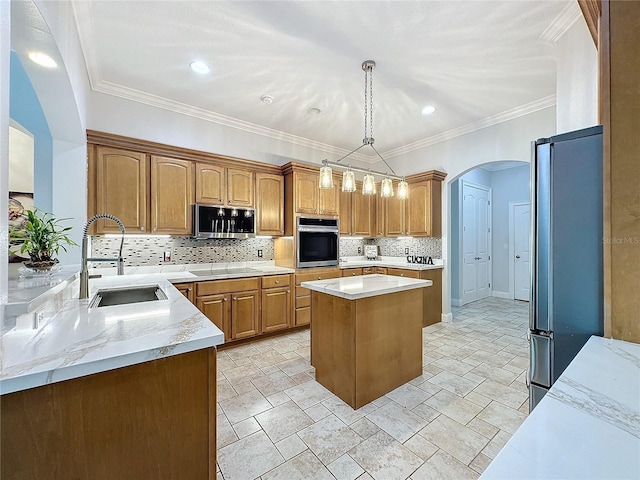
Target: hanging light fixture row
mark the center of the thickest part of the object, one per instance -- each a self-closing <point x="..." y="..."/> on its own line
<point x="348" y="176"/>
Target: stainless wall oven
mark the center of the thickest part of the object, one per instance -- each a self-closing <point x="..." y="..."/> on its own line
<point x="317" y="241"/>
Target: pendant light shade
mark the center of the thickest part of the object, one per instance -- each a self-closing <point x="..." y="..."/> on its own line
<point x="368" y="185"/>
<point x="348" y="181"/>
<point x="403" y="190"/>
<point x="326" y="176"/>
<point x="386" y="188"/>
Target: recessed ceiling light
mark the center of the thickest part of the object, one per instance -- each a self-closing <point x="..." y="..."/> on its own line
<point x="199" y="67"/>
<point x="42" y="59"/>
<point x="266" y="99"/>
<point x="314" y="111"/>
<point x="428" y="110"/>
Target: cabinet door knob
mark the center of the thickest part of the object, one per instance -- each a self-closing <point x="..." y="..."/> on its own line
<point x="319" y="278"/>
<point x="288" y="291"/>
<point x="224" y="299"/>
<point x="235" y="298"/>
<point x="142" y="228"/>
<point x="189" y="289"/>
<point x="277" y="282"/>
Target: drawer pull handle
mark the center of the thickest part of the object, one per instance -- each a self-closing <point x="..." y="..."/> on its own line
<point x="277" y="282"/>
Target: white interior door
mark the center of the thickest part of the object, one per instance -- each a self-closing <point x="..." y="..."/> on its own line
<point x="476" y="242"/>
<point x="521" y="228"/>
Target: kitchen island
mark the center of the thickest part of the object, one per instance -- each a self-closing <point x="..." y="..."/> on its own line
<point x="122" y="391"/>
<point x="366" y="334"/>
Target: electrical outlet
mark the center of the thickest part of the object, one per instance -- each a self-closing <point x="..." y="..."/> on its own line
<point x="406" y="251"/>
<point x="167" y="256"/>
<point x="38" y="317"/>
<point x="260" y="253"/>
<point x="359" y="250"/>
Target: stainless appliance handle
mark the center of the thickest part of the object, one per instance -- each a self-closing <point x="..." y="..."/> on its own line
<point x="527" y="379"/>
<point x="317" y="228"/>
<point x="532" y="355"/>
<point x="532" y="237"/>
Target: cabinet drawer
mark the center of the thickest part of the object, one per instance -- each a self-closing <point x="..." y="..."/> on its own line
<point x="303" y="316"/>
<point x="351" y="272"/>
<point x="317" y="275"/>
<point x="369" y="270"/>
<point x="401" y="272"/>
<point x="272" y="281"/>
<point x="225" y="286"/>
<point x="301" y="291"/>
<point x="381" y="270"/>
<point x="303" y="301"/>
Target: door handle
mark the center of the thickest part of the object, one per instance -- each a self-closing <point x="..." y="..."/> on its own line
<point x="517" y="256"/>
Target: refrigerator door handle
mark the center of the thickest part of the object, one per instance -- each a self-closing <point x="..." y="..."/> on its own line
<point x="527" y="378"/>
<point x="532" y="363"/>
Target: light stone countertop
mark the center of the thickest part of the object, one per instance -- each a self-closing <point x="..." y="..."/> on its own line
<point x="77" y="340"/>
<point x="363" y="286"/>
<point x="587" y="426"/>
<point x="393" y="262"/>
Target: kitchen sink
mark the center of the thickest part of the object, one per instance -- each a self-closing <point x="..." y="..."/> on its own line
<point x="106" y="297"/>
<point x="224" y="271"/>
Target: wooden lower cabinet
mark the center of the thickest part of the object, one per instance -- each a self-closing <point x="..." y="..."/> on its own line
<point x="302" y="313"/>
<point x="245" y="321"/>
<point x="187" y="290"/>
<point x="156" y="419"/>
<point x="276" y="309"/>
<point x="217" y="308"/>
<point x="432" y="295"/>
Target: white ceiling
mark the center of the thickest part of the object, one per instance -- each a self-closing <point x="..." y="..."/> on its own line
<point x="473" y="60"/>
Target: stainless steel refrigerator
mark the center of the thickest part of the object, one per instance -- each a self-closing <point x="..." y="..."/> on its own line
<point x="566" y="303"/>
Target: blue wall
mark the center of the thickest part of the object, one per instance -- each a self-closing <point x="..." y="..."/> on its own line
<point x="25" y="108"/>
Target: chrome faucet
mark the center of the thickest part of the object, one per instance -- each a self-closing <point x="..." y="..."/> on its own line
<point x="84" y="273"/>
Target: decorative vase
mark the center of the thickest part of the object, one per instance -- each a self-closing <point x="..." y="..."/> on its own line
<point x="41" y="265"/>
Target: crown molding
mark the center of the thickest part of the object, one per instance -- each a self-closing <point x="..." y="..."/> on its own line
<point x="563" y="22"/>
<point x="474" y="126"/>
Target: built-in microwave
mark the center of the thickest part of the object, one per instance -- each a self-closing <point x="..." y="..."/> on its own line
<point x="317" y="242"/>
<point x="214" y="221"/>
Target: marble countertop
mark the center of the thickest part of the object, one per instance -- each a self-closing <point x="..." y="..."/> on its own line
<point x="393" y="262"/>
<point x="77" y="340"/>
<point x="363" y="286"/>
<point x="587" y="426"/>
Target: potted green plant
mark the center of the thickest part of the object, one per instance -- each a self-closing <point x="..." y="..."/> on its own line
<point x="40" y="236"/>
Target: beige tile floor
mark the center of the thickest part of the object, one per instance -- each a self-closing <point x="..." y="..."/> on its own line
<point x="276" y="422"/>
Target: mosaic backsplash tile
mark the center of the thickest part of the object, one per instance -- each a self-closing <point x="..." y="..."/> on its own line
<point x="140" y="251"/>
<point x="393" y="247"/>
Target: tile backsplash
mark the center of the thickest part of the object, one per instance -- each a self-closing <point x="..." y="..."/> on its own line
<point x="140" y="251"/>
<point x="393" y="247"/>
<point x="150" y="250"/>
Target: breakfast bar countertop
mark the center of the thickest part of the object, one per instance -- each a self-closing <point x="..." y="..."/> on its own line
<point x="78" y="340"/>
<point x="363" y="286"/>
<point x="587" y="426"/>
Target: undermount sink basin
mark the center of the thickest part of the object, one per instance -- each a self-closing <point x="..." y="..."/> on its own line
<point x="224" y="271"/>
<point x="106" y="297"/>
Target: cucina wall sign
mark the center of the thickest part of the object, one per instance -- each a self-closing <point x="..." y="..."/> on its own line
<point x="419" y="259"/>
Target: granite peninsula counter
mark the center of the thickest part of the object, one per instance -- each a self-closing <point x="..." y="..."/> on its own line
<point x="366" y="334"/>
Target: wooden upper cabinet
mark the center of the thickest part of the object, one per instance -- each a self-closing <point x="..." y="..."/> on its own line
<point x="240" y="191"/>
<point x="211" y="184"/>
<point x="216" y="185"/>
<point x="424" y="209"/>
<point x="306" y="193"/>
<point x="121" y="189"/>
<point x="172" y="196"/>
<point x="363" y="214"/>
<point x="394" y="219"/>
<point x="329" y="199"/>
<point x="345" y="212"/>
<point x="269" y="204"/>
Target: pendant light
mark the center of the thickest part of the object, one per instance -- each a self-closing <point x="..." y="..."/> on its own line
<point x="403" y="190"/>
<point x="386" y="188"/>
<point x="348" y="180"/>
<point x="326" y="176"/>
<point x="368" y="185"/>
<point x="348" y="177"/>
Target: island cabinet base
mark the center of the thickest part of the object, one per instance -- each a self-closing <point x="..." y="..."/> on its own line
<point x="150" y="420"/>
<point x="364" y="348"/>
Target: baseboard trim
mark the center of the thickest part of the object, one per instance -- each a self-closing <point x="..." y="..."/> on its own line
<point x="496" y="294"/>
<point x="447" y="317"/>
<point x="456" y="302"/>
